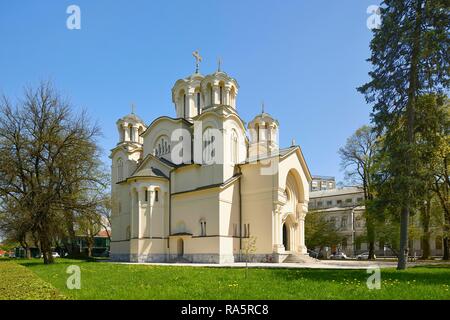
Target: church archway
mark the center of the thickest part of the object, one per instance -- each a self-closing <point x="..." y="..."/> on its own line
<point x="180" y="247"/>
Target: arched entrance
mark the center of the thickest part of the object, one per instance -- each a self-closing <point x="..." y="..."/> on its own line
<point x="286" y="237"/>
<point x="180" y="247"/>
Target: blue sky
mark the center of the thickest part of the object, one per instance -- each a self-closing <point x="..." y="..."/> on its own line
<point x="303" y="58"/>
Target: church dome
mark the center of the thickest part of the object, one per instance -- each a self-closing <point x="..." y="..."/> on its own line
<point x="263" y="131"/>
<point x="130" y="128"/>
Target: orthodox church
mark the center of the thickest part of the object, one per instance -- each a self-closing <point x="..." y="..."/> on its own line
<point x="205" y="186"/>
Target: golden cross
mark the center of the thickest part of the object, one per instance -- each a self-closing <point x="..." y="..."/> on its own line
<point x="198" y="59"/>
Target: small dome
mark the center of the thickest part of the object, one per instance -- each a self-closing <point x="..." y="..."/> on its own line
<point x="131" y="118"/>
<point x="130" y="128"/>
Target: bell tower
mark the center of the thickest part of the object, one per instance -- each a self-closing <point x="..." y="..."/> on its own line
<point x="130" y="127"/>
<point x="263" y="131"/>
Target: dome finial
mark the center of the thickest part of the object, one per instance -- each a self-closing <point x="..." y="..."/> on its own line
<point x="262" y="107"/>
<point x="133" y="107"/>
<point x="293" y="143"/>
<point x="198" y="59"/>
<point x="219" y="64"/>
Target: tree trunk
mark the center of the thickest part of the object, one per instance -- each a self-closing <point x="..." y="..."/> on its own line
<point x="446" y="249"/>
<point x="403" y="254"/>
<point x="46" y="249"/>
<point x="426" y="250"/>
<point x="371" y="238"/>
<point x="410" y="114"/>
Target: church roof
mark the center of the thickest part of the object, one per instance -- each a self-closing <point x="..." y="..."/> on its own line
<point x="151" y="172"/>
<point x="132" y="117"/>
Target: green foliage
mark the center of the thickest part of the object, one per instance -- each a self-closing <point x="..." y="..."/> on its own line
<point x="319" y="232"/>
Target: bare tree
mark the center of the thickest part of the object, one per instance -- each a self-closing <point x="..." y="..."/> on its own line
<point x="49" y="162"/>
<point x="358" y="161"/>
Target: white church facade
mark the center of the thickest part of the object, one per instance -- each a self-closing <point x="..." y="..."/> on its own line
<point x="199" y="186"/>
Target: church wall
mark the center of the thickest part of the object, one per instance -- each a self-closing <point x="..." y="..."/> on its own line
<point x="257" y="205"/>
<point x="190" y="208"/>
<point x="194" y="176"/>
<point x="120" y="250"/>
<point x="229" y="219"/>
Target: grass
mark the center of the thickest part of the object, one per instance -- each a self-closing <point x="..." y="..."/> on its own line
<point x="20" y="283"/>
<point x="103" y="280"/>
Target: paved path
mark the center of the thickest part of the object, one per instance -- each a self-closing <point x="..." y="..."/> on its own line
<point x="321" y="264"/>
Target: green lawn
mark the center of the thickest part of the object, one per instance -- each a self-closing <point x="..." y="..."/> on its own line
<point x="103" y="280"/>
<point x="20" y="283"/>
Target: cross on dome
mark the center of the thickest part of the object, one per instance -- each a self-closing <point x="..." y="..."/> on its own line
<point x="198" y="59"/>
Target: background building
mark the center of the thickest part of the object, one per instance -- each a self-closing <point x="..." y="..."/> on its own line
<point x="322" y="183"/>
<point x="345" y="208"/>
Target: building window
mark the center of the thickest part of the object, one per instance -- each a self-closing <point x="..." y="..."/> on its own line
<point x="156" y="196"/>
<point x="344" y="222"/>
<point x="348" y="200"/>
<point x="333" y="221"/>
<point x="198" y="102"/>
<point x="358" y="222"/>
<point x="339" y="202"/>
<point x="234" y="147"/>
<point x="247" y="230"/>
<point x="202" y="228"/>
<point x="208" y="145"/>
<point x="146" y="195"/>
<point x="221" y="94"/>
<point x="359" y="200"/>
<point x="319" y="204"/>
<point x="358" y="244"/>
<point x="211" y="95"/>
<point x="184" y="106"/>
<point x="329" y="203"/>
<point x="131" y="133"/>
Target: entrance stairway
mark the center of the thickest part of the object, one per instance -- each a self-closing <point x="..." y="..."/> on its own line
<point x="299" y="258"/>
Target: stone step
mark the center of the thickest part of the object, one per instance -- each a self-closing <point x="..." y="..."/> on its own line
<point x="299" y="258"/>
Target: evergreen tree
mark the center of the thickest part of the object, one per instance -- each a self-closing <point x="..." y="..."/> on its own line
<point x="410" y="57"/>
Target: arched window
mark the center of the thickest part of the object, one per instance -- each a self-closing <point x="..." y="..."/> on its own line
<point x="211" y="96"/>
<point x="234" y="147"/>
<point x="162" y="146"/>
<point x="198" y="100"/>
<point x="184" y="106"/>
<point x="202" y="228"/>
<point x="233" y="97"/>
<point x="119" y="169"/>
<point x="257" y="133"/>
<point x="221" y="94"/>
<point x="208" y="145"/>
<point x="130" y="128"/>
